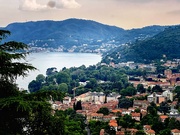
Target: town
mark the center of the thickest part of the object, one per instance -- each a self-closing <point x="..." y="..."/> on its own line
<point x="155" y="90"/>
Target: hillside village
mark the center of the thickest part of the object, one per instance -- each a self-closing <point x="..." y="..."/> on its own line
<point x="91" y="102"/>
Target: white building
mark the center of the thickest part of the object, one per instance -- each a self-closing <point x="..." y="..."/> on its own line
<point x="168" y="95"/>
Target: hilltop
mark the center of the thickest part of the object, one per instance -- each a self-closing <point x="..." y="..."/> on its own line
<point x="76" y="34"/>
<point x="164" y="45"/>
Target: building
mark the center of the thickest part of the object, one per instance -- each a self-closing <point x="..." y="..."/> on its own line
<point x="175" y="132"/>
<point x="113" y="123"/>
<point x="140" y="104"/>
<point x="150" y="132"/>
<point x="163" y="117"/>
<point x="97" y="97"/>
<point x="136" y="116"/>
<point x="156" y="98"/>
<point x="168" y="95"/>
<point x="67" y="100"/>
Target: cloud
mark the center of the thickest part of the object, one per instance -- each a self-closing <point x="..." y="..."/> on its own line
<point x="174" y="12"/>
<point x="32" y="5"/>
<point x="63" y="4"/>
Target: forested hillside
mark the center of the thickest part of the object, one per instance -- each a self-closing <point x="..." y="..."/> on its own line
<point x="164" y="45"/>
<point x="76" y="32"/>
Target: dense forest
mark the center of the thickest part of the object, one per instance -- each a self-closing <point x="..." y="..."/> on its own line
<point x="164" y="45"/>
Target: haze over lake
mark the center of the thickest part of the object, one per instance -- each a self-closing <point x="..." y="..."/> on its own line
<point x="42" y="61"/>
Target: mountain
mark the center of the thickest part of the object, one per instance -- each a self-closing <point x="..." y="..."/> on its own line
<point x="164" y="45"/>
<point x="76" y="34"/>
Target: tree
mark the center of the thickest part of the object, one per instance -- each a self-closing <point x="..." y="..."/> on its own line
<point x="125" y="103"/>
<point x="78" y="105"/>
<point x="152" y="109"/>
<point x="21" y="112"/>
<point x="63" y="87"/>
<point x="140" y="88"/>
<point x="63" y="77"/>
<point x="40" y="78"/>
<point x="104" y="110"/>
<point x="164" y="107"/>
<point x="157" y="88"/>
<point x="129" y="91"/>
<point x="140" y="132"/>
<point x="92" y="83"/>
<point x="10" y="67"/>
<point x="177" y="91"/>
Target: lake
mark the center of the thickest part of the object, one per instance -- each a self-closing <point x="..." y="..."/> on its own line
<point x="42" y="61"/>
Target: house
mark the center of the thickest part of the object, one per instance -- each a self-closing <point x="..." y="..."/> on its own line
<point x="120" y="133"/>
<point x="67" y="100"/>
<point x="140" y="104"/>
<point x="125" y="111"/>
<point x="112" y="97"/>
<point x="136" y="116"/>
<point x="132" y="131"/>
<point x="175" y="132"/>
<point x="113" y="123"/>
<point x="146" y="127"/>
<point x="156" y="98"/>
<point x="168" y="95"/>
<point x="95" y="116"/>
<point x="107" y="117"/>
<point x="150" y="132"/>
<point x="163" y="117"/>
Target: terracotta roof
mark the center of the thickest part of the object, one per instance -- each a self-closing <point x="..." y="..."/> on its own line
<point x="163" y="116"/>
<point x="120" y="133"/>
<point x="132" y="130"/>
<point x="150" y="131"/>
<point x="113" y="121"/>
<point x="116" y="110"/>
<point x="175" y="131"/>
<point x="147" y="126"/>
<point x="113" y="124"/>
<point x="135" y="114"/>
<point x="97" y="114"/>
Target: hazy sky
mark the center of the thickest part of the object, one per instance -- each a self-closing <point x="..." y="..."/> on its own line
<point x="122" y="13"/>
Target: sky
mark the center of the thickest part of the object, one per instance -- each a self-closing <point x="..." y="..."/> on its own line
<point x="126" y="14"/>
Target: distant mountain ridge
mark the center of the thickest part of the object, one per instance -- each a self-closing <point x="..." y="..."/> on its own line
<point x="72" y="33"/>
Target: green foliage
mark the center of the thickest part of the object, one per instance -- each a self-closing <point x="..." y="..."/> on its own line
<point x="21" y="112"/>
<point x="63" y="87"/>
<point x="126" y="121"/>
<point x="157" y="88"/>
<point x="98" y="78"/>
<point x="152" y="109"/>
<point x="129" y="91"/>
<point x="177" y="91"/>
<point x="140" y="132"/>
<point x="164" y="107"/>
<point x="104" y="110"/>
<point x="165" y="43"/>
<point x="95" y="130"/>
<point x="140" y="88"/>
<point x="125" y="103"/>
<point x="62" y="77"/>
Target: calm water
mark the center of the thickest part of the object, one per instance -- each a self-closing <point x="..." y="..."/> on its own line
<point x="42" y="61"/>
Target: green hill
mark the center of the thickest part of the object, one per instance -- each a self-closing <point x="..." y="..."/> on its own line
<point x="166" y="44"/>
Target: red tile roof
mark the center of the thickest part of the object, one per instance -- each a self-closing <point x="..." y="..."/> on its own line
<point x="175" y="131"/>
<point x="150" y="131"/>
